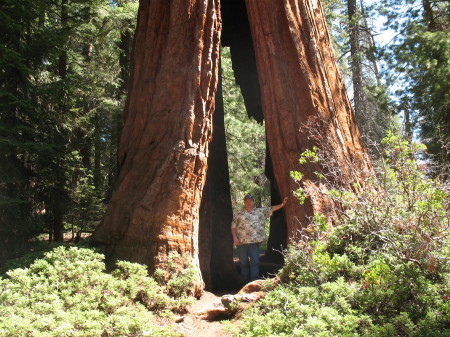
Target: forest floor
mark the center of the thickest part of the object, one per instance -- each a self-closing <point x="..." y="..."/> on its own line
<point x="193" y="324"/>
<point x="207" y="316"/>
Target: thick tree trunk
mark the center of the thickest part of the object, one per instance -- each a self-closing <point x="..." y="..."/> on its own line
<point x="168" y="124"/>
<point x="164" y="146"/>
<point x="300" y="84"/>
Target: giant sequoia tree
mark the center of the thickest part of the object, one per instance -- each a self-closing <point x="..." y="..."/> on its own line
<point x="287" y="70"/>
<point x="164" y="145"/>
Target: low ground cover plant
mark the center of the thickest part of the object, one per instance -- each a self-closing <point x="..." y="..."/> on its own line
<point x="382" y="269"/>
<point x="69" y="293"/>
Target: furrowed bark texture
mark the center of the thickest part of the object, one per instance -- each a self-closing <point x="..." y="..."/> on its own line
<point x="168" y="125"/>
<point x="300" y="86"/>
<point x="164" y="147"/>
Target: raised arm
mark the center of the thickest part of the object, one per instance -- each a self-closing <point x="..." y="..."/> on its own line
<point x="277" y="207"/>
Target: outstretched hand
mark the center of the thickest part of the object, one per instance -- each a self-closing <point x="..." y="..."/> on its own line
<point x="277" y="207"/>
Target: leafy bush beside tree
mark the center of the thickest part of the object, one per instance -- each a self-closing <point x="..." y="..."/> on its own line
<point x="68" y="293"/>
<point x="383" y="269"/>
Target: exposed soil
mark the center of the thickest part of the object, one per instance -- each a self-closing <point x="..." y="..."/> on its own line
<point x="191" y="324"/>
<point x="205" y="316"/>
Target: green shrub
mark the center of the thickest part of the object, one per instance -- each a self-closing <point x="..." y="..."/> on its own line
<point x="290" y="310"/>
<point x="382" y="269"/>
<point x="36" y="251"/>
<point x="177" y="276"/>
<point x="68" y="293"/>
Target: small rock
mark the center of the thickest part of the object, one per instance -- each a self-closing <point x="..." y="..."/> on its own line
<point x="253" y="286"/>
<point x="228" y="300"/>
<point x="249" y="298"/>
<point x="212" y="312"/>
<point x="180" y="319"/>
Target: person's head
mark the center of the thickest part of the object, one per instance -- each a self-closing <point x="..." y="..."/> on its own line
<point x="249" y="202"/>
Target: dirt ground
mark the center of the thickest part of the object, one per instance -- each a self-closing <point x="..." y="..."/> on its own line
<point x="192" y="325"/>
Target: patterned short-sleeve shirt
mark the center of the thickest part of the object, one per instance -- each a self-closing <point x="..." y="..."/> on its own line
<point x="250" y="226"/>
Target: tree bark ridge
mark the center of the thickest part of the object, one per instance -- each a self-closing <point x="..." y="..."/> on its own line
<point x="300" y="82"/>
<point x="164" y="145"/>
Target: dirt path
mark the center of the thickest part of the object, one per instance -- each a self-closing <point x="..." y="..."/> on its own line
<point x="191" y="324"/>
<point x="195" y="322"/>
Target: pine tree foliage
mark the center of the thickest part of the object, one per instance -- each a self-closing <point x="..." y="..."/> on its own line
<point x="60" y="84"/>
<point x="353" y="31"/>
<point x="418" y="66"/>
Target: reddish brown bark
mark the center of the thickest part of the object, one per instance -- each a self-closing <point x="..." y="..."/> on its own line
<point x="164" y="144"/>
<point x="168" y="126"/>
<point x="300" y="82"/>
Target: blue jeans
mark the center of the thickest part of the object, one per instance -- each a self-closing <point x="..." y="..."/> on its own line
<point x="249" y="261"/>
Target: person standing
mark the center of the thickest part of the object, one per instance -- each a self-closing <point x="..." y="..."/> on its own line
<point x="248" y="229"/>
